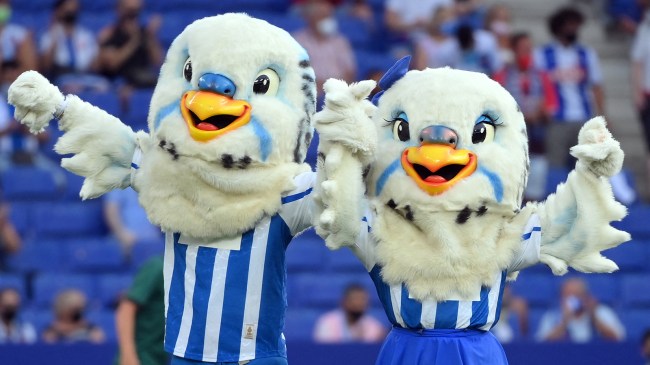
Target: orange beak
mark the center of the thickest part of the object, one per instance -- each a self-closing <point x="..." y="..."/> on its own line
<point x="436" y="168"/>
<point x="209" y="115"/>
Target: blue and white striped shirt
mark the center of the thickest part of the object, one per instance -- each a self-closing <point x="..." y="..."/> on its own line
<point x="225" y="300"/>
<point x="481" y="313"/>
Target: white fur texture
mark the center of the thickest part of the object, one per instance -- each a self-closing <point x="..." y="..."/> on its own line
<point x="348" y="140"/>
<point x="575" y="220"/>
<point x="102" y="145"/>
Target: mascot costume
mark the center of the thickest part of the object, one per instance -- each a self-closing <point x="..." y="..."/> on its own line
<point x="443" y="225"/>
<point x="221" y="172"/>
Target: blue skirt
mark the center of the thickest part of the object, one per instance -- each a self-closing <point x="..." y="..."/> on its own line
<point x="448" y="347"/>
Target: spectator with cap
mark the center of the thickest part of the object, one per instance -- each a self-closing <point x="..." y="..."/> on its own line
<point x="70" y="324"/>
<point x="12" y="328"/>
<point x="69" y="51"/>
<point x="330" y="52"/>
<point x="579" y="318"/>
<point x="17" y="49"/>
<point x="350" y="323"/>
<point x="129" y="51"/>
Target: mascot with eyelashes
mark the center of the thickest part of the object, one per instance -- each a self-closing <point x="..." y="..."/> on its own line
<point x="443" y="226"/>
<point x="221" y="172"/>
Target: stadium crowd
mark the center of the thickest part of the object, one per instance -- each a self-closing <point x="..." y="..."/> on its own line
<point x="66" y="265"/>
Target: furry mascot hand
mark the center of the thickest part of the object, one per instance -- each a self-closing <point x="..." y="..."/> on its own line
<point x="348" y="141"/>
<point x="102" y="146"/>
<point x="575" y="220"/>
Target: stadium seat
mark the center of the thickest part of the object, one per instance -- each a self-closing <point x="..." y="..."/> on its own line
<point x="280" y="6"/>
<point x="636" y="290"/>
<point x="68" y="219"/>
<point x="94" y="256"/>
<point x="631" y="256"/>
<point x="38" y="317"/>
<point x="143" y="251"/>
<point x="636" y="322"/>
<point x="105" y="320"/>
<point x="73" y="184"/>
<point x="317" y="291"/>
<point x="355" y="30"/>
<point x="138" y="109"/>
<point x="605" y="288"/>
<point x="37" y="258"/>
<point x="108" y="101"/>
<point x="14" y="281"/>
<point x="288" y="22"/>
<point x="540" y="290"/>
<point x="95" y="20"/>
<point x="636" y="222"/>
<point x="173" y="24"/>
<point x="534" y="320"/>
<point x="28" y="183"/>
<point x="98" y="6"/>
<point x="20" y="214"/>
<point x="343" y="260"/>
<point x="305" y="256"/>
<point x="299" y="324"/>
<point x="372" y="62"/>
<point x="47" y="286"/>
<point x="112" y="287"/>
<point x="555" y="177"/>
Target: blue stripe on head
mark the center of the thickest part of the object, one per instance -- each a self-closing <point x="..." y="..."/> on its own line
<point x="383" y="178"/>
<point x="495" y="181"/>
<point x="263" y="135"/>
<point x="165" y="111"/>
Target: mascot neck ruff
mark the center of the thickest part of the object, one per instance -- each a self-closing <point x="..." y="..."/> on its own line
<point x="444" y="227"/>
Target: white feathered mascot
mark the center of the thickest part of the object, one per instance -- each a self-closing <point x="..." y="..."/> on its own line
<point x="221" y="172"/>
<point x="444" y="225"/>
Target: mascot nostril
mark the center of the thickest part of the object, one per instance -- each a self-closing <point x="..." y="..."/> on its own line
<point x="439" y="134"/>
<point x="217" y="83"/>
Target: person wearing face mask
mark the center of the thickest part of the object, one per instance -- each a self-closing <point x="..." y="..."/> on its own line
<point x="645" y="347"/>
<point x="69" y="324"/>
<point x="12" y="329"/>
<point x="129" y="51"/>
<point x="17" y="50"/>
<point x="535" y="95"/>
<point x="330" y="52"/>
<point x="580" y="318"/>
<point x="437" y="48"/>
<point x="350" y="323"/>
<point x="498" y="22"/>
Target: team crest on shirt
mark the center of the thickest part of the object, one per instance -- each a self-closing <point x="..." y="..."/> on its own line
<point x="249" y="333"/>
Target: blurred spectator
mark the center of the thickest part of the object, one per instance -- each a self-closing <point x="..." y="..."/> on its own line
<point x="129" y="50"/>
<point x="437" y="48"/>
<point x="127" y="220"/>
<point x="499" y="22"/>
<point x="330" y="52"/>
<point x="580" y="317"/>
<point x="17" y="48"/>
<point x="140" y="318"/>
<point x="408" y="16"/>
<point x="641" y="75"/>
<point x="12" y="329"/>
<point x="470" y="13"/>
<point x="69" y="324"/>
<point x="536" y="97"/>
<point x="359" y="9"/>
<point x="624" y="15"/>
<point x="513" y="321"/>
<point x="19" y="147"/>
<point x="350" y="323"/>
<point x="478" y="50"/>
<point x="645" y="347"/>
<point x="575" y="72"/>
<point x="10" y="241"/>
<point x="69" y="51"/>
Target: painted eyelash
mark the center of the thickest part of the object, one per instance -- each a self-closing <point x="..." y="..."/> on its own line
<point x="493" y="118"/>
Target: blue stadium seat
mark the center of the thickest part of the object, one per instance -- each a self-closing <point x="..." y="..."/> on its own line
<point x="299" y="324"/>
<point x="372" y="62"/>
<point x="98" y="6"/>
<point x="534" y="319"/>
<point x="343" y="260"/>
<point x="73" y="184"/>
<point x="47" y="286"/>
<point x="631" y="256"/>
<point x="106" y="321"/>
<point x="138" y="109"/>
<point x="108" y="101"/>
<point x="94" y="256"/>
<point x="280" y="6"/>
<point x="28" y="183"/>
<point x="143" y="251"/>
<point x="636" y="222"/>
<point x="355" y="30"/>
<point x="605" y="288"/>
<point x="112" y="287"/>
<point x="35" y="257"/>
<point x="69" y="219"/>
<point x="288" y="22"/>
<point x="318" y="291"/>
<point x="555" y="177"/>
<point x="20" y="214"/>
<point x="636" y="322"/>
<point x="39" y="318"/>
<point x="14" y="281"/>
<point x="95" y="20"/>
<point x="173" y="24"/>
<point x="305" y="256"/>
<point x="636" y="290"/>
<point x="540" y="290"/>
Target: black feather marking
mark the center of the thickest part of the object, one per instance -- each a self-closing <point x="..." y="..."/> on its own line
<point x="307" y="78"/>
<point x="304" y="63"/>
<point x="297" y="151"/>
<point x="308" y="138"/>
<point x="409" y="213"/>
<point x="463" y="215"/>
<point x="366" y="171"/>
<point x="227" y="161"/>
<point x="482" y="210"/>
<point x="162" y="144"/>
<point x="244" y="162"/>
<point x="518" y="108"/>
<point x="391" y="204"/>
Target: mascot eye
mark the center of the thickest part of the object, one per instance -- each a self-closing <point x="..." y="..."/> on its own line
<point x="187" y="70"/>
<point x="483" y="132"/>
<point x="266" y="83"/>
<point x="401" y="130"/>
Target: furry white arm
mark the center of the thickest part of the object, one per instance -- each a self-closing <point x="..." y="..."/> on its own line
<point x="102" y="145"/>
<point x="575" y="220"/>
<point x="348" y="140"/>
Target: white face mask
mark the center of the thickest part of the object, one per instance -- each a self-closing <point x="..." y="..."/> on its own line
<point x="327" y="26"/>
<point x="500" y="28"/>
